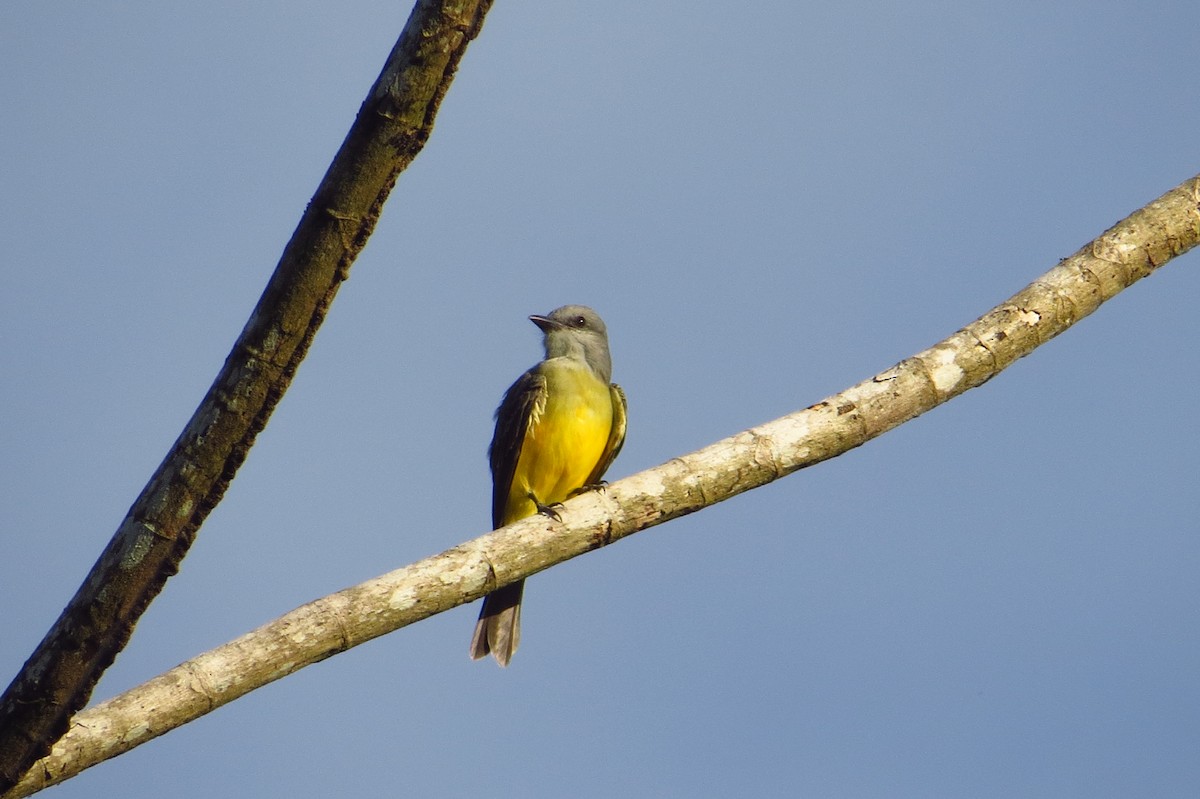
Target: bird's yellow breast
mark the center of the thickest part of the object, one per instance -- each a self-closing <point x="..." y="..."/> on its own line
<point x="566" y="437"/>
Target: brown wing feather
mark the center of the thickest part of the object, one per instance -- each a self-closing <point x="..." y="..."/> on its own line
<point x="616" y="436"/>
<point x="512" y="421"/>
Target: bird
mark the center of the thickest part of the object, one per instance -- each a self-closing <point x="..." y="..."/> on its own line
<point x="558" y="429"/>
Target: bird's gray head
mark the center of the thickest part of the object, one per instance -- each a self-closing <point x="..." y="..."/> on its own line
<point x="576" y="331"/>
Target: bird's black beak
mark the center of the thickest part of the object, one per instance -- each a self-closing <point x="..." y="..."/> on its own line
<point x="544" y="322"/>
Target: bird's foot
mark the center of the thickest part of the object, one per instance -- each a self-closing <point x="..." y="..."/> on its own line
<point x="550" y="510"/>
<point x="599" y="486"/>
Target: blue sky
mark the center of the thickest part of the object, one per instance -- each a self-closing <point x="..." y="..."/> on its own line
<point x="767" y="202"/>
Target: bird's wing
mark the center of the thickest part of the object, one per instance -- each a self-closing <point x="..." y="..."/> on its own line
<point x="522" y="402"/>
<point x="616" y="436"/>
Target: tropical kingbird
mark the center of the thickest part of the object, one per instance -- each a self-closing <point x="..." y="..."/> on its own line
<point x="558" y="429"/>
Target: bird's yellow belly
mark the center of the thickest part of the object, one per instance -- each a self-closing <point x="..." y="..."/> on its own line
<point x="564" y="442"/>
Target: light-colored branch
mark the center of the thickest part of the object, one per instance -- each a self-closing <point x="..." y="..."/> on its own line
<point x="391" y="127"/>
<point x="1128" y="252"/>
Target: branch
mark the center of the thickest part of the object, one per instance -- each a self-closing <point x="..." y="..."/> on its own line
<point x="391" y="128"/>
<point x="1131" y="250"/>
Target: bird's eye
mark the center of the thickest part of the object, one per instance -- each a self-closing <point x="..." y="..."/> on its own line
<point x="579" y="321"/>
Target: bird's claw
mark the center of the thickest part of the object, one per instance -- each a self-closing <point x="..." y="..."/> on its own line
<point x="599" y="486"/>
<point x="550" y="510"/>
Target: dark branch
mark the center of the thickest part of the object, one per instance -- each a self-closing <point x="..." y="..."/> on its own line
<point x="393" y="124"/>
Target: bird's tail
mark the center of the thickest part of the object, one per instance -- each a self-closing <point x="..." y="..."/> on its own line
<point x="498" y="631"/>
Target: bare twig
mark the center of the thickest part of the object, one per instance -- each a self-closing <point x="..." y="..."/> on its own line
<point x="1131" y="250"/>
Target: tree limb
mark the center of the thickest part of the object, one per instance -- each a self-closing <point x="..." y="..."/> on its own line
<point x="1131" y="250"/>
<point x="392" y="126"/>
